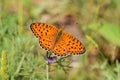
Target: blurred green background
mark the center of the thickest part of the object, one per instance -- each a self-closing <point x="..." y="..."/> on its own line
<point x="96" y="23"/>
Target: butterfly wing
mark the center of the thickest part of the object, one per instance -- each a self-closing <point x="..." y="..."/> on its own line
<point x="45" y="33"/>
<point x="67" y="44"/>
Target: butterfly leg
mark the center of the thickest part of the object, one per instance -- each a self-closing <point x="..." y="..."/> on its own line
<point x="48" y="54"/>
<point x="50" y="59"/>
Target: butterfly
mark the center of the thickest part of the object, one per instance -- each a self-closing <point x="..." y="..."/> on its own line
<point x="56" y="40"/>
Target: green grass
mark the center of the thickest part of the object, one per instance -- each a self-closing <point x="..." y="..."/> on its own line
<point x="20" y="54"/>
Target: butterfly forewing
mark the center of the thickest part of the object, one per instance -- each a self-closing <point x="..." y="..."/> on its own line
<point x="68" y="44"/>
<point x="45" y="33"/>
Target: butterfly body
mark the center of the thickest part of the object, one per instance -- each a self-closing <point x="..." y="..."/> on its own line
<point x="56" y="40"/>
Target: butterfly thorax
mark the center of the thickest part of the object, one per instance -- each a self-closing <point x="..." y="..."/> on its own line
<point x="59" y="34"/>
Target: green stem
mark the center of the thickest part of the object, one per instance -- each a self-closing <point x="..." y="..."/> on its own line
<point x="47" y="71"/>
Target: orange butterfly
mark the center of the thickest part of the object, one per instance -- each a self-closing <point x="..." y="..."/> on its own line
<point x="56" y="40"/>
